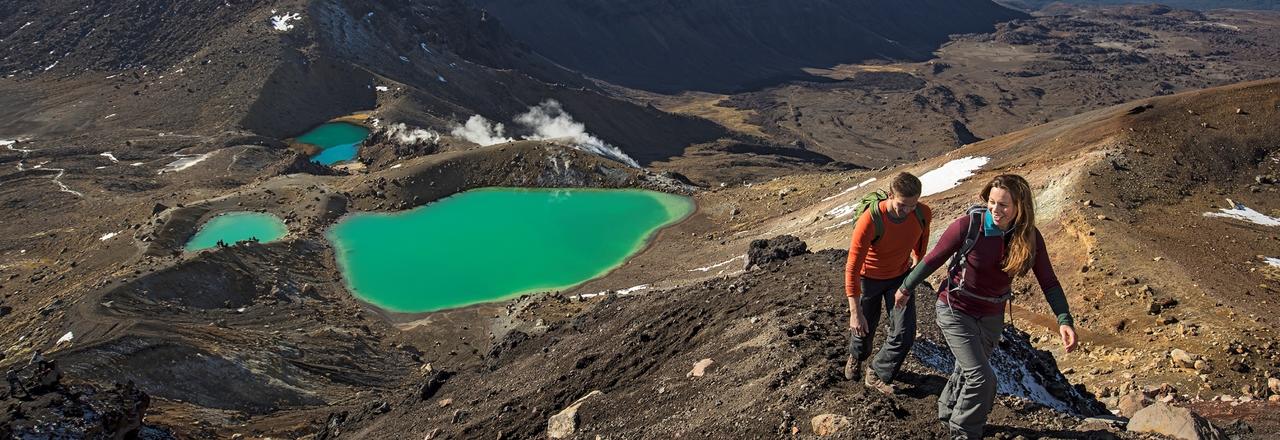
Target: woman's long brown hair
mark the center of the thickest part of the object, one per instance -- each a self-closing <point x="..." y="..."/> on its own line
<point x="1022" y="244"/>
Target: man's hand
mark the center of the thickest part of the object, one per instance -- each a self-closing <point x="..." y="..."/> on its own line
<point x="900" y="299"/>
<point x="857" y="322"/>
<point x="1069" y="340"/>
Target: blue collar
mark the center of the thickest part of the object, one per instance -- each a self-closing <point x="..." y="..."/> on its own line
<point x="989" y="228"/>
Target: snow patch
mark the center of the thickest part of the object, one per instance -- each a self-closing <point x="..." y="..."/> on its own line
<point x="441" y="78"/>
<point x="108" y="155"/>
<point x="633" y="289"/>
<point x="1274" y="262"/>
<point x="1241" y="212"/>
<point x="184" y="161"/>
<point x="64" y="339"/>
<point x="950" y="174"/>
<point x="1216" y="24"/>
<point x="851" y="189"/>
<point x="722" y="263"/>
<point x="1013" y="378"/>
<point x="62" y="186"/>
<point x="845" y="222"/>
<point x="108" y="236"/>
<point x="57" y="178"/>
<point x="382" y="88"/>
<point x="843" y="210"/>
<point x="619" y="292"/>
<point x="397" y="166"/>
<point x="281" y="22"/>
<point x="9" y="145"/>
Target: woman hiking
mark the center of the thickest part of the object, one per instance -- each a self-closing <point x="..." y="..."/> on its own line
<point x="987" y="249"/>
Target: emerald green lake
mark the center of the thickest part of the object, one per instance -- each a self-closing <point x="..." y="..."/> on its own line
<point x="338" y="141"/>
<point x="236" y="226"/>
<point x="495" y="243"/>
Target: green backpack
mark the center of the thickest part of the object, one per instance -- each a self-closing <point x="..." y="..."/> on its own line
<point x="872" y="200"/>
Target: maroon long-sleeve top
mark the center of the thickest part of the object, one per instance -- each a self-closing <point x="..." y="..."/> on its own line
<point x="982" y="271"/>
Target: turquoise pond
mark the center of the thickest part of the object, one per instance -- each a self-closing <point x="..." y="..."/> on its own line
<point x="237" y="226"/>
<point x="338" y="141"/>
<point x="496" y="243"/>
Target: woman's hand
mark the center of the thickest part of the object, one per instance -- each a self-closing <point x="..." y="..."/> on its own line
<point x="900" y="299"/>
<point x="1069" y="340"/>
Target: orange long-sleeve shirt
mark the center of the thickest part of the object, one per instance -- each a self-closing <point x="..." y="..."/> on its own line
<point x="889" y="257"/>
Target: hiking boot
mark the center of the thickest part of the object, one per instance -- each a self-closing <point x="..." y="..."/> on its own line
<point x="852" y="368"/>
<point x="872" y="381"/>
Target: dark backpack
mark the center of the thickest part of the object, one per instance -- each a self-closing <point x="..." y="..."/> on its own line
<point x="871" y="201"/>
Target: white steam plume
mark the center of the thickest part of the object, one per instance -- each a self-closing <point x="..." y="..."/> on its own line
<point x="547" y="120"/>
<point x="480" y="130"/>
<point x="405" y="134"/>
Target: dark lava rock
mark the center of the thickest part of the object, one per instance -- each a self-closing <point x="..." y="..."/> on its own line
<point x="677" y="177"/>
<point x="1140" y="109"/>
<point x="432" y="383"/>
<point x="508" y="343"/>
<point x="332" y="426"/>
<point x="775" y="249"/>
<point x="303" y="164"/>
<point x="41" y="406"/>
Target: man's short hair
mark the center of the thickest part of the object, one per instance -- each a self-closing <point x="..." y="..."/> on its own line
<point x="905" y="185"/>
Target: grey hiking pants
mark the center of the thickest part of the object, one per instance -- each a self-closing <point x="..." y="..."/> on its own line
<point x="971" y="391"/>
<point x="877" y="295"/>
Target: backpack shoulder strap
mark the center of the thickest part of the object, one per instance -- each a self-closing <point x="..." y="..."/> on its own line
<point x="976" y="218"/>
<point x="920" y="215"/>
<point x="877" y="221"/>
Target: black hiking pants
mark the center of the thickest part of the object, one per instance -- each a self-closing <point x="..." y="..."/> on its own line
<point x="877" y="296"/>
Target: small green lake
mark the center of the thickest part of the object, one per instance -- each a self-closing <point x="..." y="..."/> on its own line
<point x="237" y="226"/>
<point x="338" y="141"/>
<point x="496" y="243"/>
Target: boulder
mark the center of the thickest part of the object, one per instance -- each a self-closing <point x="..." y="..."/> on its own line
<point x="1131" y="403"/>
<point x="1182" y="359"/>
<point x="700" y="368"/>
<point x="432" y="383"/>
<point x="775" y="249"/>
<point x="565" y="423"/>
<point x="829" y="424"/>
<point x="1173" y="421"/>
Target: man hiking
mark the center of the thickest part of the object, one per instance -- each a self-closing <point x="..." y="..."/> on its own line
<point x="891" y="229"/>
